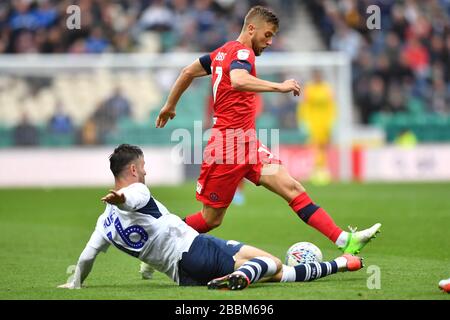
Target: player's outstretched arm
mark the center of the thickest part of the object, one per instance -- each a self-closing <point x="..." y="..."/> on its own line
<point x="83" y="268"/>
<point x="114" y="197"/>
<point x="184" y="80"/>
<point x="243" y="81"/>
<point x="131" y="198"/>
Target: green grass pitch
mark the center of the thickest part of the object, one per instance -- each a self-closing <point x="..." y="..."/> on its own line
<point x="43" y="231"/>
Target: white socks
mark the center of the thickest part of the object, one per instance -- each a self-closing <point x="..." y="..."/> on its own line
<point x="288" y="274"/>
<point x="342" y="239"/>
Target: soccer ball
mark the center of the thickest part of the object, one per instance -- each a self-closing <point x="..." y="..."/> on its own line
<point x="303" y="252"/>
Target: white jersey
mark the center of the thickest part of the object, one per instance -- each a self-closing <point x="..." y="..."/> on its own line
<point x="145" y="229"/>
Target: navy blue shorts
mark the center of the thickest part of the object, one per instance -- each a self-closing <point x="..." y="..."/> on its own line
<point x="208" y="258"/>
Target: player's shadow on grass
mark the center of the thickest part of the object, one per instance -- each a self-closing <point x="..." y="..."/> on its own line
<point x="353" y="279"/>
<point x="317" y="282"/>
<point x="135" y="286"/>
<point x="163" y="286"/>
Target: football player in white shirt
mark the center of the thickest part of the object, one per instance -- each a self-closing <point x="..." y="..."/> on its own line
<point x="137" y="224"/>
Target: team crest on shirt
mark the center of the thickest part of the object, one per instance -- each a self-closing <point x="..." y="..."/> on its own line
<point x="243" y="54"/>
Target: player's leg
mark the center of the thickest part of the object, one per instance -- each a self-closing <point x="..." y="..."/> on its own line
<point x="216" y="186"/>
<point x="207" y="219"/>
<point x="280" y="182"/>
<point x="317" y="270"/>
<point x="247" y="253"/>
<point x="251" y="265"/>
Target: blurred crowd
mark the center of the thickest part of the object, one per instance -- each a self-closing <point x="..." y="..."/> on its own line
<point x="30" y="26"/>
<point x="116" y="26"/>
<point x="404" y="66"/>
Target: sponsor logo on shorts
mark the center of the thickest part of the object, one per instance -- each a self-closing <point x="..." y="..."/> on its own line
<point x="213" y="196"/>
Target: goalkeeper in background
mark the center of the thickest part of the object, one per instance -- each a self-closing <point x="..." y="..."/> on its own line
<point x="316" y="115"/>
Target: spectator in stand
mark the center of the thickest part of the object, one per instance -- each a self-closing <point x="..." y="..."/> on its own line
<point x="157" y="17"/>
<point x="415" y="38"/>
<point x="374" y="99"/>
<point x="437" y="49"/>
<point x="109" y="112"/>
<point x="396" y="99"/>
<point x="116" y="26"/>
<point x="392" y="49"/>
<point x="416" y="57"/>
<point x="346" y="40"/>
<point x="96" y="42"/>
<point x="25" y="133"/>
<point x="398" y="21"/>
<point x="88" y="133"/>
<point x="438" y="97"/>
<point x="118" y="105"/>
<point x="60" y="122"/>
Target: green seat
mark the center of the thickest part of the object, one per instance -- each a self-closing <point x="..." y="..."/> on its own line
<point x="415" y="106"/>
<point x="168" y="40"/>
<point x="292" y="136"/>
<point x="380" y="119"/>
<point x="396" y="124"/>
<point x="6" y="137"/>
<point x="431" y="127"/>
<point x="50" y="139"/>
<point x="126" y="123"/>
<point x="401" y="119"/>
<point x="267" y="121"/>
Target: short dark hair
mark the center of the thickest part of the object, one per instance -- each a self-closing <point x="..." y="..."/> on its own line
<point x="122" y="156"/>
<point x="262" y="13"/>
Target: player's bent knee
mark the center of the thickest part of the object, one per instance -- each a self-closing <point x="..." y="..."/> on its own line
<point x="213" y="216"/>
<point x="279" y="264"/>
<point x="214" y="223"/>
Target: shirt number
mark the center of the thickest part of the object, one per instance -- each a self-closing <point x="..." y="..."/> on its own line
<point x="125" y="234"/>
<point x="216" y="83"/>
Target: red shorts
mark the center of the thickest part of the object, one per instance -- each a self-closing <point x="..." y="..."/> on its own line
<point x="218" y="182"/>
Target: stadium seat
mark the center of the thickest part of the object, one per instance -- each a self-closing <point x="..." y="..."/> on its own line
<point x="380" y="119"/>
<point x="267" y="121"/>
<point x="292" y="136"/>
<point x="6" y="139"/>
<point x="415" y="106"/>
<point x="56" y="140"/>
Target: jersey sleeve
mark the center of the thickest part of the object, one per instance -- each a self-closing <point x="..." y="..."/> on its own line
<point x="136" y="195"/>
<point x="87" y="258"/>
<point x="242" y="59"/>
<point x="98" y="242"/>
<point x="205" y="61"/>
